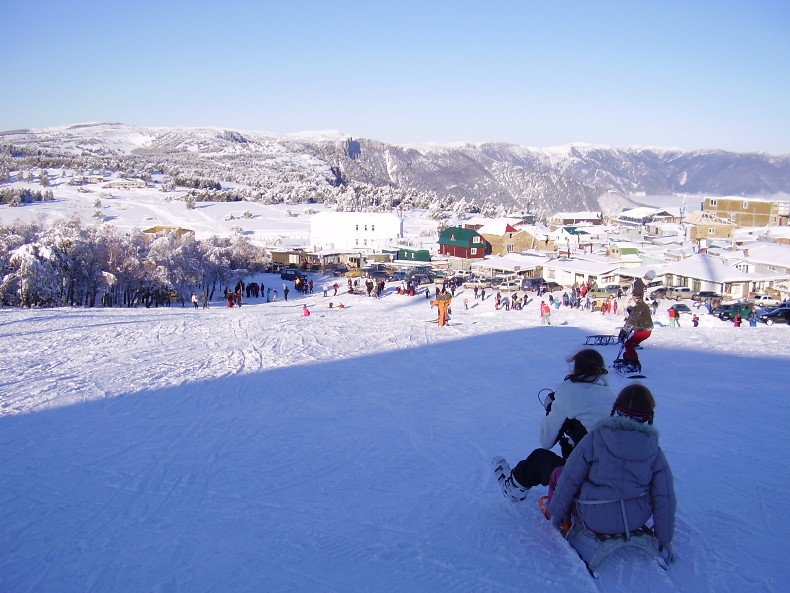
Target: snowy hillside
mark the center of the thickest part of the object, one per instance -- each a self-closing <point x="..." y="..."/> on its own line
<point x="256" y="449"/>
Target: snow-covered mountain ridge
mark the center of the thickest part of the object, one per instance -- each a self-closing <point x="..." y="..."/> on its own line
<point x="571" y="177"/>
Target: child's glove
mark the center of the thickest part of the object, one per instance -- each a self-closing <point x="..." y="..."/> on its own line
<point x="667" y="553"/>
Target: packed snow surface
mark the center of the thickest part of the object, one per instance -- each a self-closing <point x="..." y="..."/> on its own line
<point x="255" y="449"/>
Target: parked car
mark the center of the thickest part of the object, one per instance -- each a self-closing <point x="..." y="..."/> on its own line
<point x="532" y="284"/>
<point x="290" y="274"/>
<point x="399" y="276"/>
<point x="659" y="293"/>
<point x="553" y="287"/>
<point x="679" y="292"/>
<point x="421" y="279"/>
<point x="720" y="310"/>
<point x="776" y="315"/>
<point x="744" y="309"/>
<point x="477" y="282"/>
<point x="602" y="293"/>
<point x="509" y="286"/>
<point x="765" y="300"/>
<point x="681" y="308"/>
<point x="706" y="295"/>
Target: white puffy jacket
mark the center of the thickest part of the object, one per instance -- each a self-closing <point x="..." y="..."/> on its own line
<point x="587" y="402"/>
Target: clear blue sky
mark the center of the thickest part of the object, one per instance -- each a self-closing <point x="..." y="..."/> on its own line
<point x="705" y="74"/>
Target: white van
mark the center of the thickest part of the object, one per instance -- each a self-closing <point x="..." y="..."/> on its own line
<point x="679" y="292"/>
<point x="763" y="300"/>
<point x="504" y="279"/>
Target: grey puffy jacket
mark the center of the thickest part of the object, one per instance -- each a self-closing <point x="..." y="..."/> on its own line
<point x="620" y="460"/>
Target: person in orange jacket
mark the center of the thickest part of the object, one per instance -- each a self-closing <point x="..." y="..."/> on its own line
<point x="443" y="303"/>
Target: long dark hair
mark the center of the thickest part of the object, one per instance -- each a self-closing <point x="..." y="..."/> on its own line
<point x="588" y="366"/>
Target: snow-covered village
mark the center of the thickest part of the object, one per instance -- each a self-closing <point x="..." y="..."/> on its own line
<point x="424" y="297"/>
<point x="245" y="396"/>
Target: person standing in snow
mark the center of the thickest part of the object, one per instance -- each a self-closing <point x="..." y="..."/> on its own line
<point x="285" y="292"/>
<point x="672" y="314"/>
<point x="545" y="313"/>
<point x="582" y="399"/>
<point x="195" y="299"/>
<point x="616" y="479"/>
<point x="442" y="302"/>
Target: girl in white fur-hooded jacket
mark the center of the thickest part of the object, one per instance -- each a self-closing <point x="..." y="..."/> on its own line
<point x="617" y="477"/>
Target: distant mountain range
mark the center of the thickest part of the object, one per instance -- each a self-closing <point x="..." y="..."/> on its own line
<point x="574" y="177"/>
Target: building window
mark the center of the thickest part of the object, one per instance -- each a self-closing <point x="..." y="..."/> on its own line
<point x="356" y="242"/>
<point x="746" y="205"/>
<point x="473" y="251"/>
<point x="373" y="228"/>
<point x="356" y="227"/>
<point x="476" y="239"/>
<point x="510" y="249"/>
<point x="714" y="203"/>
<point x="711" y="231"/>
<point x="365" y="243"/>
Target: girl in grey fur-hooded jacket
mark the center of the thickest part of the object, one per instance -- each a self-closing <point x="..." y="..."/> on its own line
<point x="616" y="471"/>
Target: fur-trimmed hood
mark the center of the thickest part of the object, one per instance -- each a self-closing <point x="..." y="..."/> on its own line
<point x="623" y="423"/>
<point x="628" y="439"/>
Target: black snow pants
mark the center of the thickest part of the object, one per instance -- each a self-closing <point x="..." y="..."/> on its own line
<point x="536" y="469"/>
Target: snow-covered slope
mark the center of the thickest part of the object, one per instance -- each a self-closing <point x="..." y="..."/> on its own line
<point x="256" y="449"/>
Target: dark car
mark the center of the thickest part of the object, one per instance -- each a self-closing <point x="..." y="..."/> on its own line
<point x="290" y="273"/>
<point x="340" y="271"/>
<point x="681" y="308"/>
<point x="706" y="295"/>
<point x="420" y="279"/>
<point x="533" y="283"/>
<point x="658" y="293"/>
<point x="552" y="287"/>
<point x="719" y="311"/>
<point x="744" y="309"/>
<point x="399" y="276"/>
<point x="777" y="315"/>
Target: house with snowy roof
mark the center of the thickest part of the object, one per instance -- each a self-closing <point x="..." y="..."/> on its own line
<point x="706" y="226"/>
<point x="708" y="272"/>
<point x="575" y="218"/>
<point x="504" y="237"/>
<point x="643" y="216"/>
<point x="529" y="265"/>
<point x="463" y="243"/>
<point x="593" y="270"/>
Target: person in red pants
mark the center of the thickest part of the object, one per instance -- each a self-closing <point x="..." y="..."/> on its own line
<point x="638" y="327"/>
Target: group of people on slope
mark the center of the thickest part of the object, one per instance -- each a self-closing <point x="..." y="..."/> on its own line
<point x="611" y="475"/>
